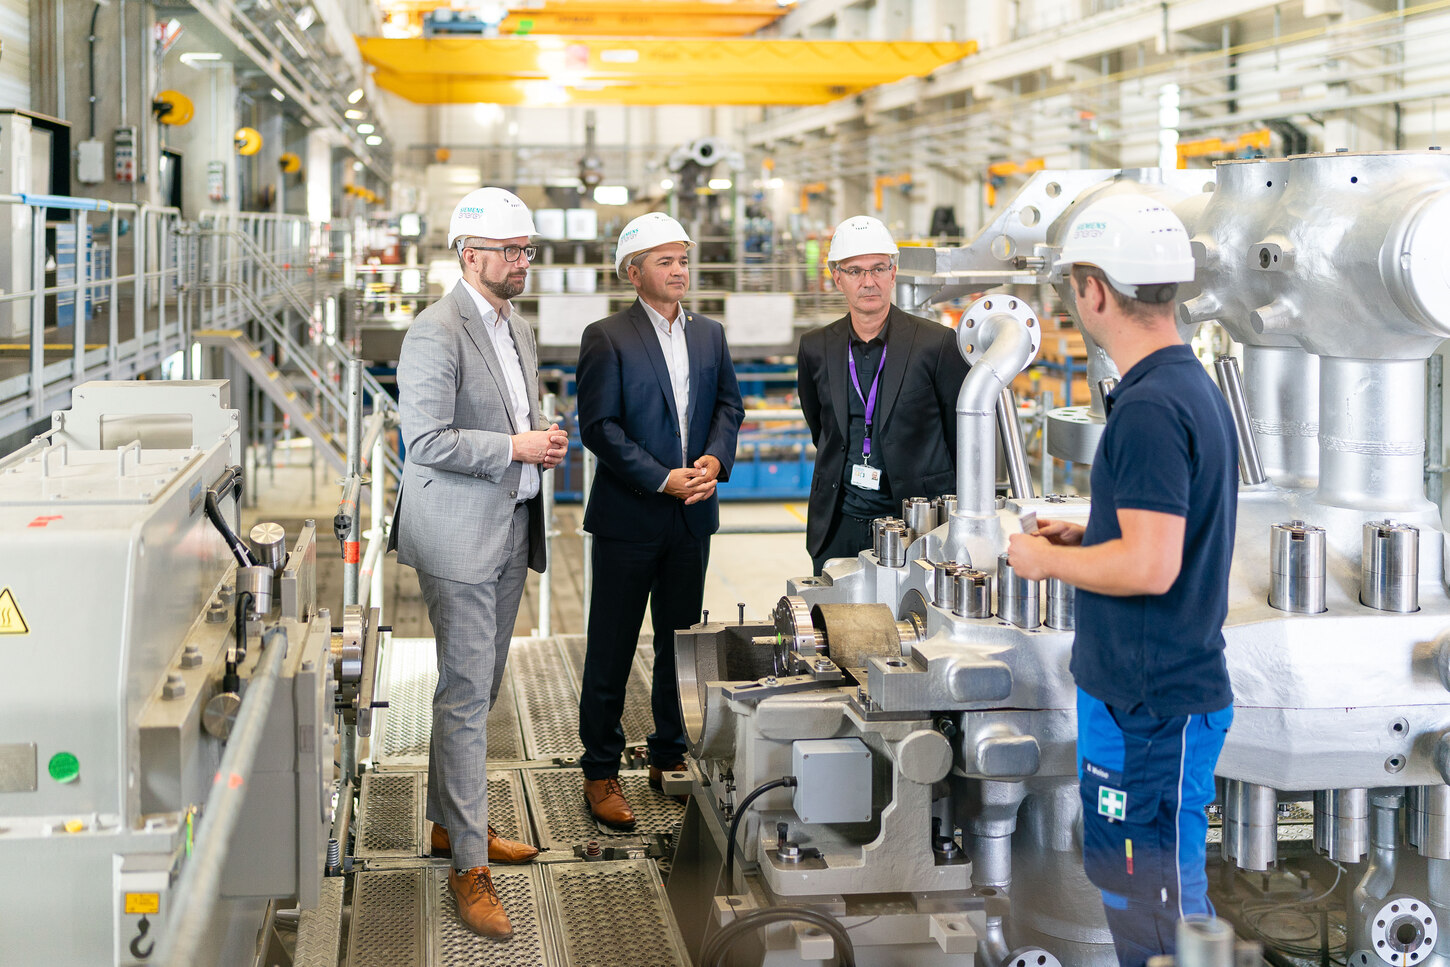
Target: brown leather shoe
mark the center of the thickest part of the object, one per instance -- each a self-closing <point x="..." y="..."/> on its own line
<point x="478" y="904"/>
<point x="657" y="779"/>
<point x="500" y="850"/>
<point x="607" y="803"/>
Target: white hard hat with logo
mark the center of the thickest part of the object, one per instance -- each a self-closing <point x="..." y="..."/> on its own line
<point x="490" y="213"/>
<point x="860" y="235"/>
<point x="1139" y="244"/>
<point x="644" y="233"/>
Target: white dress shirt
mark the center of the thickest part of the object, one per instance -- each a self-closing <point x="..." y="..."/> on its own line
<point x="497" y="327"/>
<point x="677" y="360"/>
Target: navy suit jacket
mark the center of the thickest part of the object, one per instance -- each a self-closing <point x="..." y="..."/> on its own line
<point x="627" y="419"/>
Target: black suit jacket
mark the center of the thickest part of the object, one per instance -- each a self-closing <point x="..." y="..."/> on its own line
<point x="627" y="418"/>
<point x="917" y="435"/>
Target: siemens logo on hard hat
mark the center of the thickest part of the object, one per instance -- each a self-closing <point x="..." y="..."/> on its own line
<point x="1090" y="229"/>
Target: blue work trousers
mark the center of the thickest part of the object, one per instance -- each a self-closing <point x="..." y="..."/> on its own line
<point x="1145" y="783"/>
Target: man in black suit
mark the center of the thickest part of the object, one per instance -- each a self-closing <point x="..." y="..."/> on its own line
<point x="884" y="426"/>
<point x="660" y="408"/>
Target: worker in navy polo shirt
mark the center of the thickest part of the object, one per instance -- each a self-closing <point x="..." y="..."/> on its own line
<point x="1151" y="569"/>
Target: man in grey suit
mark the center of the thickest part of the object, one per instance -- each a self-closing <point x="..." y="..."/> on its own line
<point x="470" y="519"/>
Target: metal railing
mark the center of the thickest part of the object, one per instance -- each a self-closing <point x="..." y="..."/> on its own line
<point x="110" y="310"/>
<point x="254" y="274"/>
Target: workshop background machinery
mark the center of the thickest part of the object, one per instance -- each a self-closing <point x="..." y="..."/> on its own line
<point x="167" y="708"/>
<point x="926" y="677"/>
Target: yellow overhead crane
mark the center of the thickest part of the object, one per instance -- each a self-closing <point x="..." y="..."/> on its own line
<point x="1249" y="144"/>
<point x="614" y="18"/>
<point x="595" y="70"/>
<point x="643" y="18"/>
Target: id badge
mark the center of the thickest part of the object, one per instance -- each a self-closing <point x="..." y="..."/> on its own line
<point x="865" y="477"/>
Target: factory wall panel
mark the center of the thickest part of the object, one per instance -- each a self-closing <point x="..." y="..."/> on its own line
<point x="15" y="58"/>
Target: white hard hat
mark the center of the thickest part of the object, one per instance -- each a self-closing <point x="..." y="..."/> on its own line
<point x="490" y="213"/>
<point x="644" y="233"/>
<point x="860" y="235"/>
<point x="1135" y="240"/>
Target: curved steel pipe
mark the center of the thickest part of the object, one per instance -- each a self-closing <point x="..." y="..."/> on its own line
<point x="1379" y="875"/>
<point x="1009" y="350"/>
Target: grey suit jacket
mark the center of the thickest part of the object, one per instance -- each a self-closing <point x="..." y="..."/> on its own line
<point x="459" y="487"/>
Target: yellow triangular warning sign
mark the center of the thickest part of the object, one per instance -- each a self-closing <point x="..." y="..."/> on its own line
<point x="12" y="622"/>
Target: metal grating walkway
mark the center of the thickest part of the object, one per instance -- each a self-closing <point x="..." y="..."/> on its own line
<point x="565" y="910"/>
<point x="410" y="674"/>
<point x="563" y="819"/>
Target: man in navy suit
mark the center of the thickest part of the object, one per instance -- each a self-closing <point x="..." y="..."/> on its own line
<point x="660" y="408"/>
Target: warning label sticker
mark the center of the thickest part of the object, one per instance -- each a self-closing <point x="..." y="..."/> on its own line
<point x="12" y="622"/>
<point x="143" y="903"/>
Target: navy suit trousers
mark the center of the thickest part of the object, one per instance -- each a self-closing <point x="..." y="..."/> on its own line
<point x="668" y="574"/>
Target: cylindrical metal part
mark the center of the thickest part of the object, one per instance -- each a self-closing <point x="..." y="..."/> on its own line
<point x="1281" y="388"/>
<point x="1014" y="448"/>
<point x="1372" y="433"/>
<point x="920" y="516"/>
<point x="1205" y="941"/>
<point x="1428" y="821"/>
<point x="269" y="545"/>
<point x="876" y="527"/>
<point x="946" y="584"/>
<point x="1061" y="605"/>
<point x="1250" y="825"/>
<point x="258" y="581"/>
<point x="1341" y="824"/>
<point x="1390" y="567"/>
<point x="1251" y="468"/>
<point x="1296" y="567"/>
<point x="1018" y="599"/>
<point x="892" y="552"/>
<point x="974" y="593"/>
<point x="946" y="505"/>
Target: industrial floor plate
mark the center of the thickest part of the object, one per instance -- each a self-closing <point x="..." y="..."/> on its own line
<point x="614" y="913"/>
<point x="390" y="816"/>
<point x="406" y="918"/>
<point x="563" y="820"/>
<point x="392" y="806"/>
<point x="410" y="675"/>
<point x="319" y="930"/>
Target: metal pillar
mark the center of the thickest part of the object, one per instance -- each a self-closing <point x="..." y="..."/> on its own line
<point x="546" y="580"/>
<point x="351" y="557"/>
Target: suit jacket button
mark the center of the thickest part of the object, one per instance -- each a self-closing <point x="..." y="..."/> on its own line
<point x="513" y="493"/>
<point x="843" y="448"/>
<point x="834" y="486"/>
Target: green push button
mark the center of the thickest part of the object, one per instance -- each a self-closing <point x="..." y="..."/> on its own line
<point x="65" y="767"/>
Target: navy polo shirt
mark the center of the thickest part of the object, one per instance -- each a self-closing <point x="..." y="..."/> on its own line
<point x="1168" y="446"/>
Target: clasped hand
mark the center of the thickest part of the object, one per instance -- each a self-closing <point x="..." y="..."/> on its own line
<point x="543" y="447"/>
<point x="696" y="483"/>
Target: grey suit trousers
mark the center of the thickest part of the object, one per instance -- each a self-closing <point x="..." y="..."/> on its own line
<point x="472" y="624"/>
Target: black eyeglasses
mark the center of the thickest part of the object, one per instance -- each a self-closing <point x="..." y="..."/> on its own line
<point x="511" y="253"/>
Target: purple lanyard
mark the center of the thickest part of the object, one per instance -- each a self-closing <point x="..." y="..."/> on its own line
<point x="869" y="400"/>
